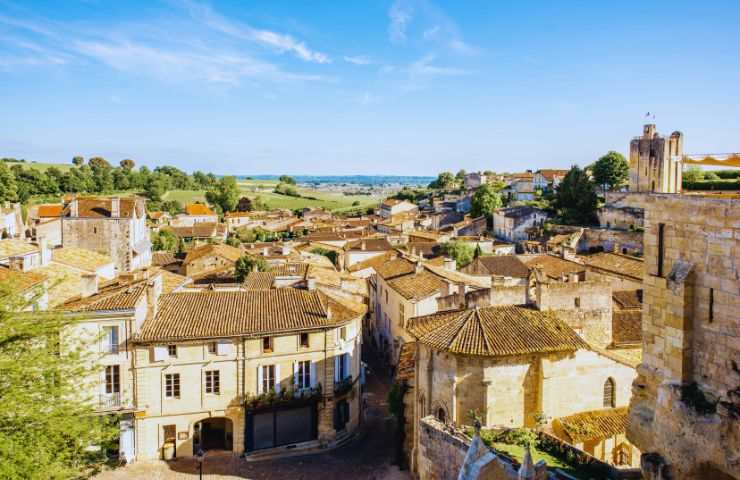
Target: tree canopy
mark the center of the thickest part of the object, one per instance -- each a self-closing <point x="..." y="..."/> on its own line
<point x="576" y="199"/>
<point x="693" y="174"/>
<point x="611" y="170"/>
<point x="244" y="205"/>
<point x="461" y="252"/>
<point x="287" y="179"/>
<point x="47" y="422"/>
<point x="444" y="181"/>
<point x="165" y="240"/>
<point x="485" y="200"/>
<point x="224" y="194"/>
<point x="246" y="264"/>
<point x="127" y="163"/>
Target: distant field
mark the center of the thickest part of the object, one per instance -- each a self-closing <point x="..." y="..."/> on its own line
<point x="185" y="196"/>
<point x="41" y="166"/>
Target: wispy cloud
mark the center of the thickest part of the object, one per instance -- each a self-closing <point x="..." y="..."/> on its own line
<point x="424" y="67"/>
<point x="278" y="41"/>
<point x="358" y="60"/>
<point x="431" y="23"/>
<point x="400" y="15"/>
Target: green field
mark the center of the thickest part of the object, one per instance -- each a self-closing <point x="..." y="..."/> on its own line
<point x="41" y="166"/>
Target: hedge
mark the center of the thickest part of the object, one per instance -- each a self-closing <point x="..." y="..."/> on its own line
<point x="712" y="185"/>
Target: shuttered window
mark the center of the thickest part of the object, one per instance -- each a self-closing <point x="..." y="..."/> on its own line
<point x="609" y="393"/>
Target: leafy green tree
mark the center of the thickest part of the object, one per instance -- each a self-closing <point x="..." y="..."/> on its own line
<point x="127" y="164"/>
<point x="330" y="254"/>
<point x="611" y="170"/>
<point x="165" y="240"/>
<point x="244" y="205"/>
<point x="47" y="422"/>
<point x="157" y="185"/>
<point x="460" y="177"/>
<point x="98" y="162"/>
<point x="693" y="174"/>
<point x="287" y="189"/>
<point x="461" y="252"/>
<point x="78" y="160"/>
<point x="8" y="187"/>
<point x="576" y="199"/>
<point x="287" y="179"/>
<point x="444" y="181"/>
<point x="246" y="264"/>
<point x="485" y="201"/>
<point x="224" y="194"/>
<point x="711" y="176"/>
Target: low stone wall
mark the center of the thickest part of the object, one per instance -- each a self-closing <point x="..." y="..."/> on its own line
<point x="611" y="240"/>
<point x="441" y="450"/>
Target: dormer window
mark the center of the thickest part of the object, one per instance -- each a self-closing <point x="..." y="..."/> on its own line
<point x="267" y="344"/>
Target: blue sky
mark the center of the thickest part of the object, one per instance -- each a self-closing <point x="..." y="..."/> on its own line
<point x="377" y="87"/>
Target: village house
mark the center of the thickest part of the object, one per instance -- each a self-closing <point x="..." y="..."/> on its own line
<point x="364" y="249"/>
<point x="112" y="226"/>
<point x="11" y="221"/>
<point x="548" y="179"/>
<point x="194" y="213"/>
<point x="201" y="232"/>
<point x="474" y="180"/>
<point x="246" y="372"/>
<point x="206" y="258"/>
<point x="159" y="219"/>
<point x="392" y="207"/>
<point x="512" y="224"/>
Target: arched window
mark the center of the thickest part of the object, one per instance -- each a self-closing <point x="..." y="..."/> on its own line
<point x="609" y="393"/>
<point x="441" y="415"/>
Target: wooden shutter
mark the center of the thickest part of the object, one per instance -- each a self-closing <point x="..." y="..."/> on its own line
<point x="313" y="375"/>
<point x="337" y="359"/>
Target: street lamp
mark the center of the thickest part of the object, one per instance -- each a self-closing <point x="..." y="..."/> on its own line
<point x="200" y="456"/>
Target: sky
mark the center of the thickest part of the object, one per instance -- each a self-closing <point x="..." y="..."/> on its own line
<point x="400" y="87"/>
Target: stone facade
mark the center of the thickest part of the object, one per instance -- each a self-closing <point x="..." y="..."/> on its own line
<point x="686" y="404"/>
<point x="656" y="162"/>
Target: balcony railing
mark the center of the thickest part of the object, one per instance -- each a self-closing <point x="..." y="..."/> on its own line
<point x="343" y="386"/>
<point x="110" y="400"/>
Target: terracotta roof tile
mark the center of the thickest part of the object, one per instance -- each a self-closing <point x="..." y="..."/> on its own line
<point x="198" y="209"/>
<point x="114" y="297"/>
<point x="406" y="367"/>
<point x="369" y="245"/>
<point x="214" y="314"/>
<point x="11" y="247"/>
<point x="552" y="266"/>
<point x="216" y="249"/>
<point x="499" y="265"/>
<point x="80" y="258"/>
<point x="395" y="268"/>
<point x="416" y="286"/>
<point x="18" y="281"/>
<point x="259" y="281"/>
<point x="495" y="332"/>
<point x="50" y="210"/>
<point x="616" y="263"/>
<point x="163" y="258"/>
<point x="374" y="262"/>
<point x="594" y="425"/>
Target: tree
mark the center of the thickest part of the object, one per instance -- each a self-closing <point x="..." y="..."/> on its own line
<point x="8" y="187"/>
<point x="711" y="176"/>
<point x="127" y="164"/>
<point x="244" y="205"/>
<point x="460" y="177"/>
<point x="287" y="189"/>
<point x="224" y="194"/>
<point x="98" y="162"/>
<point x="478" y="252"/>
<point x="576" y="199"/>
<point x="165" y="240"/>
<point x="461" y="252"/>
<point x="78" y="160"/>
<point x="611" y="170"/>
<point x="693" y="174"/>
<point x="287" y="179"/>
<point x="157" y="185"/>
<point x="47" y="421"/>
<point x="246" y="264"/>
<point x="485" y="201"/>
<point x="330" y="254"/>
<point x="444" y="181"/>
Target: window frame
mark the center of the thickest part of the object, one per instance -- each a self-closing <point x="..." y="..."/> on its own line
<point x="301" y="343"/>
<point x="172" y="386"/>
<point x="112" y="379"/>
<point x="270" y="348"/>
<point x="212" y="348"/>
<point x="269" y="373"/>
<point x="172" y="350"/>
<point x="212" y="382"/>
<point x="111" y="346"/>
<point x="303" y="374"/>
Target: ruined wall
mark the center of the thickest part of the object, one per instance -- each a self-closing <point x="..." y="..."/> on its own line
<point x="509" y="294"/>
<point x="610" y="240"/>
<point x="620" y="218"/>
<point x="107" y="236"/>
<point x="691" y="336"/>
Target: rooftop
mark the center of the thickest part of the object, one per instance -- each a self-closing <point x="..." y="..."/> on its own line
<point x="417" y="286"/>
<point x="216" y="249"/>
<point x="198" y="209"/>
<point x="616" y="263"/>
<point x="80" y="258"/>
<point x="11" y="247"/>
<point x="594" y="424"/>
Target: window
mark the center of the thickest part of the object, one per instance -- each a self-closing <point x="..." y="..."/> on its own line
<point x="169" y="433"/>
<point x="303" y="374"/>
<point x="172" y="350"/>
<point x="609" y="393"/>
<point x="268" y="378"/>
<point x="213" y="382"/>
<point x="386" y="296"/>
<point x="344" y="366"/>
<point x="212" y="348"/>
<point x="267" y="344"/>
<point x="304" y="340"/>
<point x="441" y="415"/>
<point x="172" y="385"/>
<point x="661" y="247"/>
<point x="110" y="339"/>
<point x="112" y="379"/>
<point x="577" y="302"/>
<point x="711" y="305"/>
<point x="343" y="333"/>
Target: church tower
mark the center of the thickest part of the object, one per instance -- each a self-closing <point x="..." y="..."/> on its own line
<point x="656" y="162"/>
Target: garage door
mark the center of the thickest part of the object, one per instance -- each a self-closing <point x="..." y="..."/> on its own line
<point x="280" y="427"/>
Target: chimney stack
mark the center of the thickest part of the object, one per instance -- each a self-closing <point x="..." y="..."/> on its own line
<point x="419" y="267"/>
<point x="311" y="284"/>
<point x="450" y="264"/>
<point x="115" y="207"/>
<point x="89" y="285"/>
<point x="17" y="264"/>
<point x="45" y="250"/>
<point x="74" y="208"/>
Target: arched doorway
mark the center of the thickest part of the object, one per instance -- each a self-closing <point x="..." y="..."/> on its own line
<point x="213" y="434"/>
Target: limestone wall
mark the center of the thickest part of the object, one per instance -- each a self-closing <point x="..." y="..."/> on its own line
<point x="610" y="240"/>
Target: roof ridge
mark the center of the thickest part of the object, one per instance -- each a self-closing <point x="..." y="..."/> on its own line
<point x="483" y="330"/>
<point x="467" y="313"/>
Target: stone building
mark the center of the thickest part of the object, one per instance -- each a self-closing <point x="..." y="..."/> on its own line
<point x="246" y="372"/>
<point x="112" y="226"/>
<point x="656" y="162"/>
<point x="210" y="257"/>
<point x="511" y="224"/>
<point x="686" y="403"/>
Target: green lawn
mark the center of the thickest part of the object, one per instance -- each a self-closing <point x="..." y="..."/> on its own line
<point x="41" y="166"/>
<point x="185" y="196"/>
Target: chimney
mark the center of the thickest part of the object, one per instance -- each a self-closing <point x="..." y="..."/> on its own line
<point x="573" y="277"/>
<point x="74" y="207"/>
<point x="286" y="248"/>
<point x="266" y="252"/>
<point x="616" y="247"/>
<point x="363" y="245"/>
<point x="567" y="253"/>
<point x="115" y="207"/>
<point x="311" y="284"/>
<point x="45" y="250"/>
<point x="16" y="263"/>
<point x="153" y="291"/>
<point x="450" y="264"/>
<point x="419" y="267"/>
<point x="89" y="285"/>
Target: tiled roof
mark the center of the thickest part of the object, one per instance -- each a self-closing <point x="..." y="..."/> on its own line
<point x="459" y="278"/>
<point x="416" y="286"/>
<point x="518" y="212"/>
<point x="259" y="281"/>
<point x="552" y="266"/>
<point x="594" y="425"/>
<point x="550" y="174"/>
<point x="374" y="262"/>
<point x="395" y="268"/>
<point x="199" y="230"/>
<point x="214" y="314"/>
<point x="198" y="209"/>
<point x="50" y="210"/>
<point x="499" y="265"/>
<point x="628" y="298"/>
<point x="11" y="247"/>
<point x="162" y="258"/>
<point x="116" y="296"/>
<point x="495" y="332"/>
<point x="369" y="245"/>
<point x="216" y="249"/>
<point x="616" y="263"/>
<point x="80" y="258"/>
<point x="427" y="235"/>
<point x="290" y="269"/>
<point x="406" y="362"/>
<point x="64" y="282"/>
<point x="18" y="281"/>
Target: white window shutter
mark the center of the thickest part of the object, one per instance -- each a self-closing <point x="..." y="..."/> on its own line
<point x="277" y="378"/>
<point x="295" y="375"/>
<point x="313" y="375"/>
<point x="337" y="359"/>
<point x="224" y="347"/>
<point x="347" y="372"/>
<point x="260" y="378"/>
<point x="160" y="353"/>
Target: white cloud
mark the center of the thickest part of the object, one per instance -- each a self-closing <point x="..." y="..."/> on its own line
<point x="400" y="15"/>
<point x="424" y="66"/>
<point x="358" y="60"/>
<point x="278" y="41"/>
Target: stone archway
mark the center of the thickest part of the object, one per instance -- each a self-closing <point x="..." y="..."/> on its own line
<point x="216" y="433"/>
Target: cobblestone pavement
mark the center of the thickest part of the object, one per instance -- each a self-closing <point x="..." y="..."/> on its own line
<point x="368" y="457"/>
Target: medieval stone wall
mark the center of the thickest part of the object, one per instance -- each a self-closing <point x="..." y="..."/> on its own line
<point x="610" y="240"/>
<point x="106" y="236"/>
